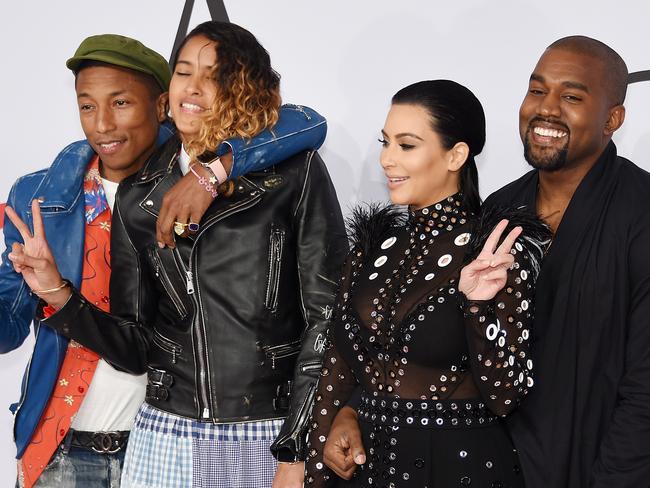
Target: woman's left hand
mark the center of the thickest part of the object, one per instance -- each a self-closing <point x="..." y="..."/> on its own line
<point x="289" y="475"/>
<point x="484" y="277"/>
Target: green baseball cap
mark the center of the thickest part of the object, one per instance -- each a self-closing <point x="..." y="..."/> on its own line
<point x="124" y="52"/>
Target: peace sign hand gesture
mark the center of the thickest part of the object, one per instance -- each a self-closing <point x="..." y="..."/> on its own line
<point x="34" y="259"/>
<point x="484" y="277"/>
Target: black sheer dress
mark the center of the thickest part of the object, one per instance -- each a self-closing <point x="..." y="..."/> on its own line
<point x="430" y="372"/>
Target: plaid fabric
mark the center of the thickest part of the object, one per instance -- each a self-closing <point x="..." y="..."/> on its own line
<point x="168" y="451"/>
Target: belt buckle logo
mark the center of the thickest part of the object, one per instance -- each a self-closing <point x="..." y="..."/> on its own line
<point x="104" y="442"/>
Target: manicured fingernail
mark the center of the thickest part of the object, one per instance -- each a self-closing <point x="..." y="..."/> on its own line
<point x="360" y="459"/>
<point x="161" y="245"/>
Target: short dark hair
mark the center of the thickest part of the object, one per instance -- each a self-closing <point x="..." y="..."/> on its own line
<point x="456" y="116"/>
<point x="615" y="73"/>
<point x="149" y="81"/>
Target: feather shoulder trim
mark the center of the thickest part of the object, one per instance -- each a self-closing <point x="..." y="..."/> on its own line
<point x="369" y="223"/>
<point x="534" y="239"/>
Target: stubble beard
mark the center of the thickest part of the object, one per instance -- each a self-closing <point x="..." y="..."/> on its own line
<point x="553" y="161"/>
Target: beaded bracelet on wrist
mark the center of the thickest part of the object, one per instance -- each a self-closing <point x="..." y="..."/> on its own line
<point x="205" y="182"/>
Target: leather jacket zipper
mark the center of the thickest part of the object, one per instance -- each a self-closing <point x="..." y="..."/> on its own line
<point x="275" y="262"/>
<point x="311" y="366"/>
<point x="204" y="399"/>
<point x="167" y="345"/>
<point x="161" y="273"/>
<point x="301" y="416"/>
<point x="204" y="386"/>
<point x="281" y="351"/>
<point x="198" y="321"/>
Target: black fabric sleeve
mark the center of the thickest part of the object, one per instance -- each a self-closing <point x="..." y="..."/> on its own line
<point x="335" y="386"/>
<point x="121" y="340"/>
<point x="498" y="336"/>
<point x="624" y="456"/>
<point x="321" y="245"/>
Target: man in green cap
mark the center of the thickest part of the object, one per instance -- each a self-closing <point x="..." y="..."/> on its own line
<point x="73" y="419"/>
<point x="75" y="412"/>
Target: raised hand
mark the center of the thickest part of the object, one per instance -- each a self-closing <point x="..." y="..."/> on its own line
<point x="484" y="277"/>
<point x="34" y="260"/>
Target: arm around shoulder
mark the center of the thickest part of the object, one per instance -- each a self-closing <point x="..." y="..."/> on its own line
<point x="299" y="128"/>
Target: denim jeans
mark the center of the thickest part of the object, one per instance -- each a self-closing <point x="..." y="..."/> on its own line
<point x="82" y="468"/>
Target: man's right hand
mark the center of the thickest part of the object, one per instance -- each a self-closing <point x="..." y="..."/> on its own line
<point x="344" y="448"/>
<point x="34" y="260"/>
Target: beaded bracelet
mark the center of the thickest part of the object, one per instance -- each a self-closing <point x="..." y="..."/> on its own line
<point x="203" y="181"/>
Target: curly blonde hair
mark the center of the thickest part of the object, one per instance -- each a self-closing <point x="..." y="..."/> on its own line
<point x="248" y="88"/>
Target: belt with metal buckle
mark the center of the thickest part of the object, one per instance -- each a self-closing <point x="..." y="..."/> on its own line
<point x="100" y="442"/>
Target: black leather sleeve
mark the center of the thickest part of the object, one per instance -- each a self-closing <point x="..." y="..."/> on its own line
<point x="321" y="246"/>
<point x="121" y="340"/>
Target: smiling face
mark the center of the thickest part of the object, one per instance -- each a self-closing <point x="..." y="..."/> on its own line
<point x="193" y="89"/>
<point x="565" y="120"/>
<point x="419" y="170"/>
<point x="120" y="116"/>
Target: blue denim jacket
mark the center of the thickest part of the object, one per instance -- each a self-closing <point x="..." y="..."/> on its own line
<point x="61" y="189"/>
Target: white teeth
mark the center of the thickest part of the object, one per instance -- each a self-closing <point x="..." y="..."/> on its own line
<point x="395" y="180"/>
<point x="192" y="107"/>
<point x="110" y="145"/>
<point x="542" y="131"/>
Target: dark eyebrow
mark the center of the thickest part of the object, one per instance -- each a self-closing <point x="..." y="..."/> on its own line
<point x="112" y="94"/>
<point x="403" y="134"/>
<point x="180" y="61"/>
<point x="576" y="85"/>
<point x="568" y="84"/>
<point x="536" y="77"/>
<point x="408" y="134"/>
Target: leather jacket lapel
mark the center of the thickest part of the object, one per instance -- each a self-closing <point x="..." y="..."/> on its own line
<point x="152" y="202"/>
<point x="246" y="195"/>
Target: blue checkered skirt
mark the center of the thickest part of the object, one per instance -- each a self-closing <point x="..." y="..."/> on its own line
<point x="169" y="451"/>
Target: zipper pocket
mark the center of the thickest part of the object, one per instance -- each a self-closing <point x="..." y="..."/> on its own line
<point x="161" y="274"/>
<point x="168" y="345"/>
<point x="276" y="244"/>
<point x="281" y="351"/>
<point x="311" y="366"/>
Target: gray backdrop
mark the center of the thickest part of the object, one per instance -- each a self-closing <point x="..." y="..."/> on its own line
<point x="343" y="58"/>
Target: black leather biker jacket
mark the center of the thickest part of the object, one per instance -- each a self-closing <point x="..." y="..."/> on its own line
<point x="230" y="325"/>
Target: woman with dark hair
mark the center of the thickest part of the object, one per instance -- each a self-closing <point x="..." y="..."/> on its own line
<point x="228" y="322"/>
<point x="430" y="340"/>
